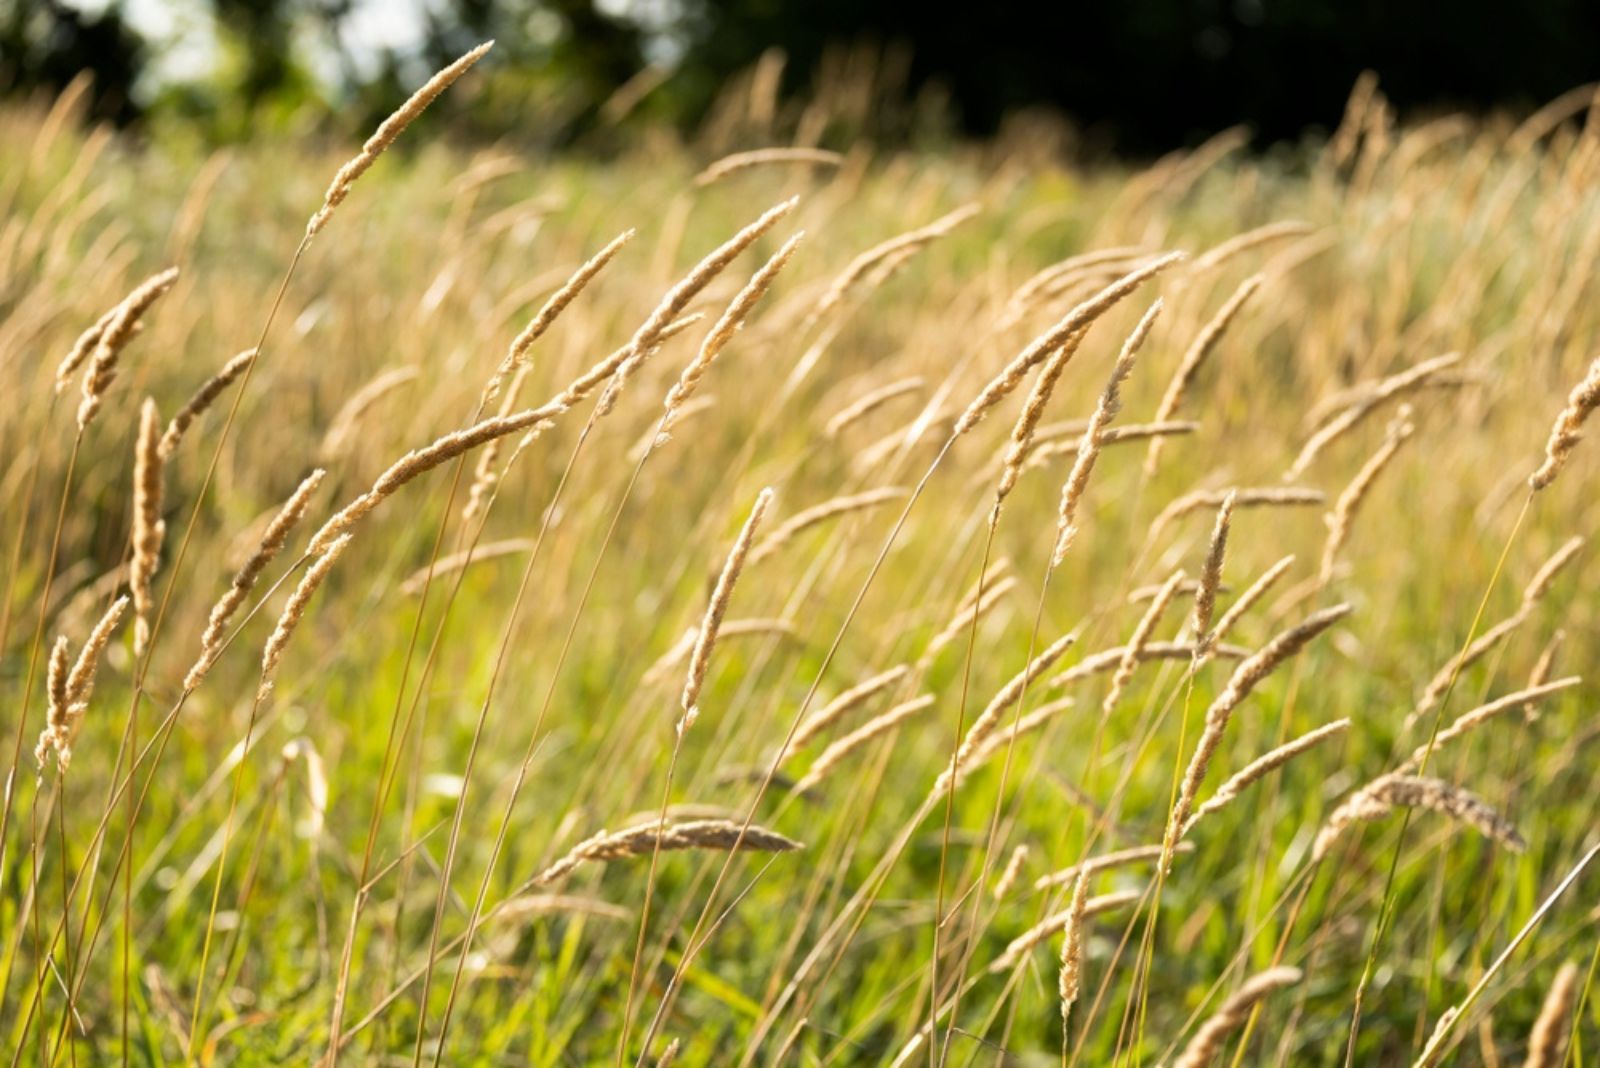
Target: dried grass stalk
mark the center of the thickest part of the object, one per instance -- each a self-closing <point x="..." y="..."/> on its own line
<point x="1482" y="714"/>
<point x="870" y="402"/>
<point x="876" y="727"/>
<point x="59" y="712"/>
<point x="1344" y="510"/>
<point x="1186" y="588"/>
<point x="244" y="580"/>
<point x="1447" y="1020"/>
<point x="1050" y="280"/>
<point x="386" y="133"/>
<point x="962" y="621"/>
<point x="80" y="680"/>
<point x="1013" y="871"/>
<point x="485" y="470"/>
<point x="646" y="338"/>
<point x="81" y="349"/>
<point x="1105" y="862"/>
<point x="1546" y="576"/>
<point x="149" y="530"/>
<point x="463" y="559"/>
<point x="1212" y="1037"/>
<point x="1254" y="497"/>
<point x="1141" y="634"/>
<point x="1070" y="978"/>
<point x="1195" y="356"/>
<point x="420" y="461"/>
<point x="1046" y="929"/>
<point x="1260" y="768"/>
<point x="203" y="398"/>
<point x="1539" y="125"/>
<point x="1026" y="724"/>
<point x="1044" y="452"/>
<point x="517" y="355"/>
<point x="722" y="331"/>
<point x="844" y="704"/>
<point x="1346" y="420"/>
<point x="650" y="440"/>
<point x="342" y="428"/>
<point x="1532" y="594"/>
<point x="1245" y="679"/>
<point x="1446" y="676"/>
<point x="723" y="835"/>
<point x="803" y="521"/>
<point x="706" y="638"/>
<point x="594" y="377"/>
<point x="1095" y="435"/>
<point x="1386" y="793"/>
<point x="70" y="688"/>
<point x="1251" y="239"/>
<point x="989" y="718"/>
<point x="766" y="157"/>
<point x="1247" y="600"/>
<point x="1568" y="428"/>
<point x="1108" y="659"/>
<point x="1205" y="598"/>
<point x="674" y="657"/>
<point x="294" y="611"/>
<point x="110" y="342"/>
<point x="1547" y="1042"/>
<point x="1080" y="317"/>
<point x="1347" y="138"/>
<point x="1021" y="442"/>
<point x="531" y="906"/>
<point x="302" y="750"/>
<point x="895" y="250"/>
<point x="1542" y="670"/>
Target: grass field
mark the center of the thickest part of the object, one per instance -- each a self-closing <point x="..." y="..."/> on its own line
<point x="337" y="837"/>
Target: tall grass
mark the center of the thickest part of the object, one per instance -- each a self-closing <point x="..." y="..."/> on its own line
<point x="952" y="792"/>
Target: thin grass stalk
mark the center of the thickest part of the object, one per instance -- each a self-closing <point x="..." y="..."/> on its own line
<point x="675" y="981"/>
<point x="271" y="656"/>
<point x="1439" y="1041"/>
<point x="575" y="391"/>
<point x="689" y="703"/>
<point x="391" y="129"/>
<point x="1386" y="903"/>
<point x="535" y="737"/>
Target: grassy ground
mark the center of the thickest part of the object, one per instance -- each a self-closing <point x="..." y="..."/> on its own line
<point x="411" y="713"/>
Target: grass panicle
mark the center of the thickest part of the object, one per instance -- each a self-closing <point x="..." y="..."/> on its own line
<point x="722" y="835"/>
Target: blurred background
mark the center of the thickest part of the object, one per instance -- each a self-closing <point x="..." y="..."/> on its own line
<point x="1132" y="76"/>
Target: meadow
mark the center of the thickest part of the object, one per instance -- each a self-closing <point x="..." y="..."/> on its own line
<point x="732" y="601"/>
